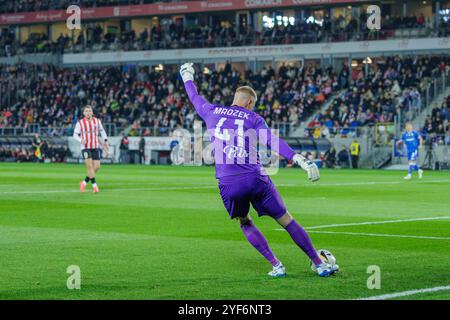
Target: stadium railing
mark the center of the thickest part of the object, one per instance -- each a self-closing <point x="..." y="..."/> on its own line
<point x="20" y="131"/>
<point x="410" y="111"/>
<point x="284" y="128"/>
<point x="249" y="40"/>
<point x="151" y="131"/>
<point x="58" y="131"/>
<point x="258" y="39"/>
<point x="436" y="139"/>
<point x="381" y="132"/>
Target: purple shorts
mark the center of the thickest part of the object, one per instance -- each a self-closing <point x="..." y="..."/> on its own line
<point x="239" y="191"/>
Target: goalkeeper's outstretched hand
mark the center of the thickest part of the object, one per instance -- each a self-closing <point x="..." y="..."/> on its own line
<point x="309" y="166"/>
<point x="187" y="72"/>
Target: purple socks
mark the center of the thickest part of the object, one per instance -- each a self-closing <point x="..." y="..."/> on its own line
<point x="257" y="240"/>
<point x="301" y="238"/>
<point x="297" y="233"/>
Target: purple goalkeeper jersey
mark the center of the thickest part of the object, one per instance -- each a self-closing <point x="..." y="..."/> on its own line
<point x="236" y="135"/>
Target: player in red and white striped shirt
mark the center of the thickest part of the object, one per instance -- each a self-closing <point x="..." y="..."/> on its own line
<point x="86" y="132"/>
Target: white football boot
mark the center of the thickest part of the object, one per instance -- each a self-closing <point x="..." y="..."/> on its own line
<point x="326" y="269"/>
<point x="407" y="177"/>
<point x="420" y="173"/>
<point x="278" y="271"/>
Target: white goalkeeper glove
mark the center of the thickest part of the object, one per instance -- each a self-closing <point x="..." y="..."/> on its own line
<point x="309" y="166"/>
<point x="187" y="72"/>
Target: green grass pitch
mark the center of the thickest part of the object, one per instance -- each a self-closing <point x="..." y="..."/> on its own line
<point x="160" y="232"/>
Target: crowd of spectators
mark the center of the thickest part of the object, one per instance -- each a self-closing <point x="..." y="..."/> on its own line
<point x="151" y="101"/>
<point x="437" y="125"/>
<point x="7" y="6"/>
<point x="174" y="35"/>
<point x="17" y="155"/>
<point x="146" y="101"/>
<point x="37" y="151"/>
<point x="391" y="85"/>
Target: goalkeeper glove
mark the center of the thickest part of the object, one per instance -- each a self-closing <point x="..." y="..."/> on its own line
<point x="309" y="166"/>
<point x="187" y="72"/>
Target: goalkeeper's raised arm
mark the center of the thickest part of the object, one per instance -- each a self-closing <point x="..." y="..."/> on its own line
<point x="202" y="106"/>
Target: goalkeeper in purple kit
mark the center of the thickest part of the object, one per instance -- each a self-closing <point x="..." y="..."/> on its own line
<point x="235" y="132"/>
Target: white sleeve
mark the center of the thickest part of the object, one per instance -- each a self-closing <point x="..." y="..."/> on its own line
<point x="77" y="132"/>
<point x="102" y="131"/>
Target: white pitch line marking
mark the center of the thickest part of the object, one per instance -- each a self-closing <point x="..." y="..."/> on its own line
<point x="371" y="223"/>
<point x="108" y="190"/>
<point x="368" y="183"/>
<point x="207" y="187"/>
<point x="8" y="186"/>
<point x="381" y="235"/>
<point x="377" y="222"/>
<point x="122" y="189"/>
<point x="405" y="293"/>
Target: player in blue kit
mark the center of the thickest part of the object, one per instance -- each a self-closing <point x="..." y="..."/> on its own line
<point x="235" y="132"/>
<point x="413" y="142"/>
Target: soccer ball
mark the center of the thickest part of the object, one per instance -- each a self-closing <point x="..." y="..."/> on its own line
<point x="326" y="256"/>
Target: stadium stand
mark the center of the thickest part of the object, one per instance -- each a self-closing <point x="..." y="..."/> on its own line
<point x="152" y="102"/>
<point x="437" y="125"/>
<point x="50" y="96"/>
<point x="393" y="85"/>
<point x="147" y="102"/>
<point x="42" y="5"/>
<point x="141" y="100"/>
<point x="177" y="36"/>
<point x="24" y="149"/>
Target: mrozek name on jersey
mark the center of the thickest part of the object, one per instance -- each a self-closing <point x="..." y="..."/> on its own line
<point x="231" y="112"/>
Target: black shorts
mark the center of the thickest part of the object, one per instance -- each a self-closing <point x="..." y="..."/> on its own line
<point x="93" y="154"/>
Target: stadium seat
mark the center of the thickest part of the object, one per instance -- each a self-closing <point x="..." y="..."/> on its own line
<point x="398" y="33"/>
<point x="414" y="33"/>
